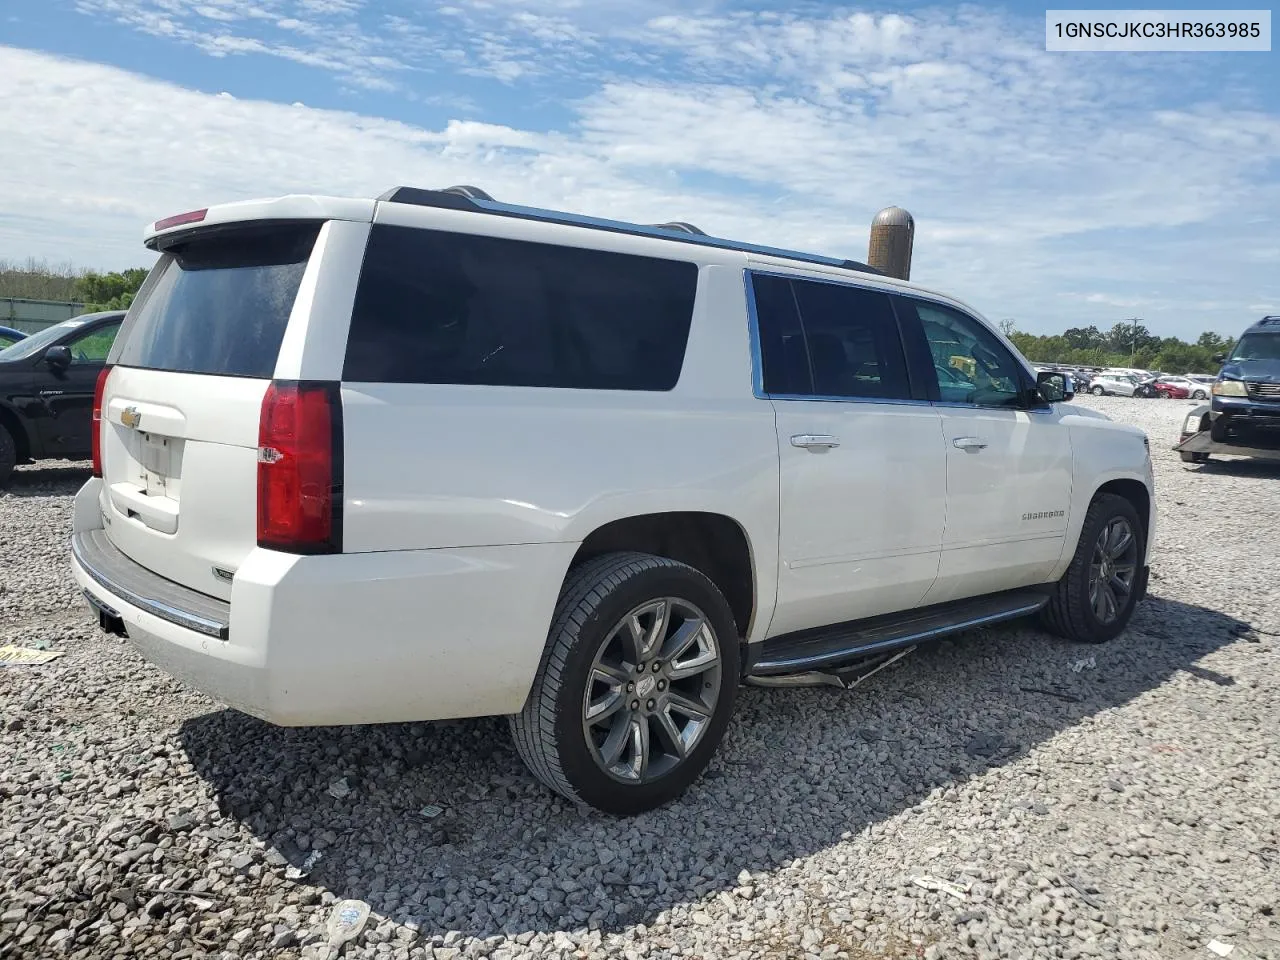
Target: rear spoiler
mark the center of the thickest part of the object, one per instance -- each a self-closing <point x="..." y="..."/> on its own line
<point x="294" y="208"/>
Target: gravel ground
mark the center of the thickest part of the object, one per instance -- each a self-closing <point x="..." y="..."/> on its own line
<point x="1127" y="809"/>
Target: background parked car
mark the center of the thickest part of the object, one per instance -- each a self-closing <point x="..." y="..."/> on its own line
<point x="10" y="336"/>
<point x="1203" y="388"/>
<point x="47" y="382"/>
<point x="1180" y="388"/>
<point x="1113" y="385"/>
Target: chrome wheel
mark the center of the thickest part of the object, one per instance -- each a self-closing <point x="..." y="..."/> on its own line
<point x="1112" y="569"/>
<point x="652" y="690"/>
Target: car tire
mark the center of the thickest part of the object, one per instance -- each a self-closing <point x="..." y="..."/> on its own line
<point x="8" y="456"/>
<point x="1074" y="610"/>
<point x="1199" y="395"/>
<point x="606" y="615"/>
<point x="1097" y="391"/>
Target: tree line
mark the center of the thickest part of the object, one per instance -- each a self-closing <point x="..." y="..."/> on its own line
<point x="1127" y="344"/>
<point x="37" y="280"/>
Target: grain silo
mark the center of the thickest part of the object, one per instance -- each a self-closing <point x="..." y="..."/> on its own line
<point x="892" y="233"/>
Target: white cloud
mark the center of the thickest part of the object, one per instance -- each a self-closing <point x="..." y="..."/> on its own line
<point x="1055" y="193"/>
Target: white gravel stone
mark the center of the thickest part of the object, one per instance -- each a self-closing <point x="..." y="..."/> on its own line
<point x="1129" y="811"/>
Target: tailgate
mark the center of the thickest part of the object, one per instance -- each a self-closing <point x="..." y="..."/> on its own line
<point x="182" y="404"/>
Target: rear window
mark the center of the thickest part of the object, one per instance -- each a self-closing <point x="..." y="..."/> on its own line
<point x="221" y="303"/>
<point x="449" y="308"/>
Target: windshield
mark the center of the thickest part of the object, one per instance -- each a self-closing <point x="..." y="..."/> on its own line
<point x="25" y="349"/>
<point x="1252" y="346"/>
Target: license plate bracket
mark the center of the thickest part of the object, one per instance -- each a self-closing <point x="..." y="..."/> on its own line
<point x="156" y="460"/>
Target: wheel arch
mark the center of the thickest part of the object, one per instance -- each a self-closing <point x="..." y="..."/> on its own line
<point x="713" y="543"/>
<point x="21" y="439"/>
<point x="1137" y="493"/>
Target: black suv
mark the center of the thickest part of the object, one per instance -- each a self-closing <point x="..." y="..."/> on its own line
<point x="46" y="390"/>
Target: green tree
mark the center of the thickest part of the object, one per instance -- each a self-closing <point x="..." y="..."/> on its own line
<point x="1085" y="338"/>
<point x="1131" y="336"/>
<point x="110" y="291"/>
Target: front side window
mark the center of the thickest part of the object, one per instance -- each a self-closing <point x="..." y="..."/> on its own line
<point x="828" y="340"/>
<point x="970" y="363"/>
<point x="94" y="346"/>
<point x="448" y="308"/>
<point x="38" y="341"/>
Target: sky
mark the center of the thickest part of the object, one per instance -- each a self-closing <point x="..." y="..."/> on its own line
<point x="1057" y="189"/>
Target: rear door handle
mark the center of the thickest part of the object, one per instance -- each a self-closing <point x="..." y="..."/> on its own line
<point x="969" y="443"/>
<point x="814" y="441"/>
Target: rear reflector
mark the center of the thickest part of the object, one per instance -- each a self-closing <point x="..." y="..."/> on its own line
<point x="178" y="219"/>
<point x="300" y="468"/>
<point x="99" y="424"/>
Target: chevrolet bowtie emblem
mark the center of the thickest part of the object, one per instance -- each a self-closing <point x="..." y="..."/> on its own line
<point x="130" y="417"/>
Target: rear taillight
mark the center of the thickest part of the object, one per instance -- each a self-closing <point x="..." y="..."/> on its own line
<point x="300" y="468"/>
<point x="99" y="422"/>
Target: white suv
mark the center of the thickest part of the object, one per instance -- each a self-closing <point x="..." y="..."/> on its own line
<point x="433" y="456"/>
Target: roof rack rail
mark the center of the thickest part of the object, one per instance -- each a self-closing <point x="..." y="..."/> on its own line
<point x="475" y="200"/>
<point x="682" y="226"/>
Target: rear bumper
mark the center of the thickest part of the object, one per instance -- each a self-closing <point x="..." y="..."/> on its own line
<point x="347" y="639"/>
<point x="99" y="560"/>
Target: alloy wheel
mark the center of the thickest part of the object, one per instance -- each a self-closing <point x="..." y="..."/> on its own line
<point x="652" y="690"/>
<point x="1112" y="570"/>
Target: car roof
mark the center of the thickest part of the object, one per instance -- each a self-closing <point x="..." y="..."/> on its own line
<point x="100" y="315"/>
<point x="474" y="200"/>
<point x="1268" y="324"/>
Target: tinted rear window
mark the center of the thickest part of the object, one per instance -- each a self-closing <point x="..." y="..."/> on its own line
<point x="820" y="339"/>
<point x="436" y="307"/>
<point x="221" y="305"/>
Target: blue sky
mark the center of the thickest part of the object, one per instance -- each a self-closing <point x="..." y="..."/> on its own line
<point x="1057" y="189"/>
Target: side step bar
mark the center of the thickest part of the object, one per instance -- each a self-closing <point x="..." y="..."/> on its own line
<point x="847" y="643"/>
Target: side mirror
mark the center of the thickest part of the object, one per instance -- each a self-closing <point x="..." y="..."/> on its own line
<point x="1219" y="358"/>
<point x="1054" y="387"/>
<point x="58" y="357"/>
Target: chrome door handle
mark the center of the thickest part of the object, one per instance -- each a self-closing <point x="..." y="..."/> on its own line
<point x="969" y="443"/>
<point x="811" y="441"/>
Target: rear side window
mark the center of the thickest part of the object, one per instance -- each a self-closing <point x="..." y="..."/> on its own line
<point x="221" y="303"/>
<point x="451" y="308"/>
<point x="828" y="340"/>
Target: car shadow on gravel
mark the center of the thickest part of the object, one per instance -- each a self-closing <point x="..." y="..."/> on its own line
<point x="48" y="480"/>
<point x="444" y="827"/>
<point x="1262" y="469"/>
